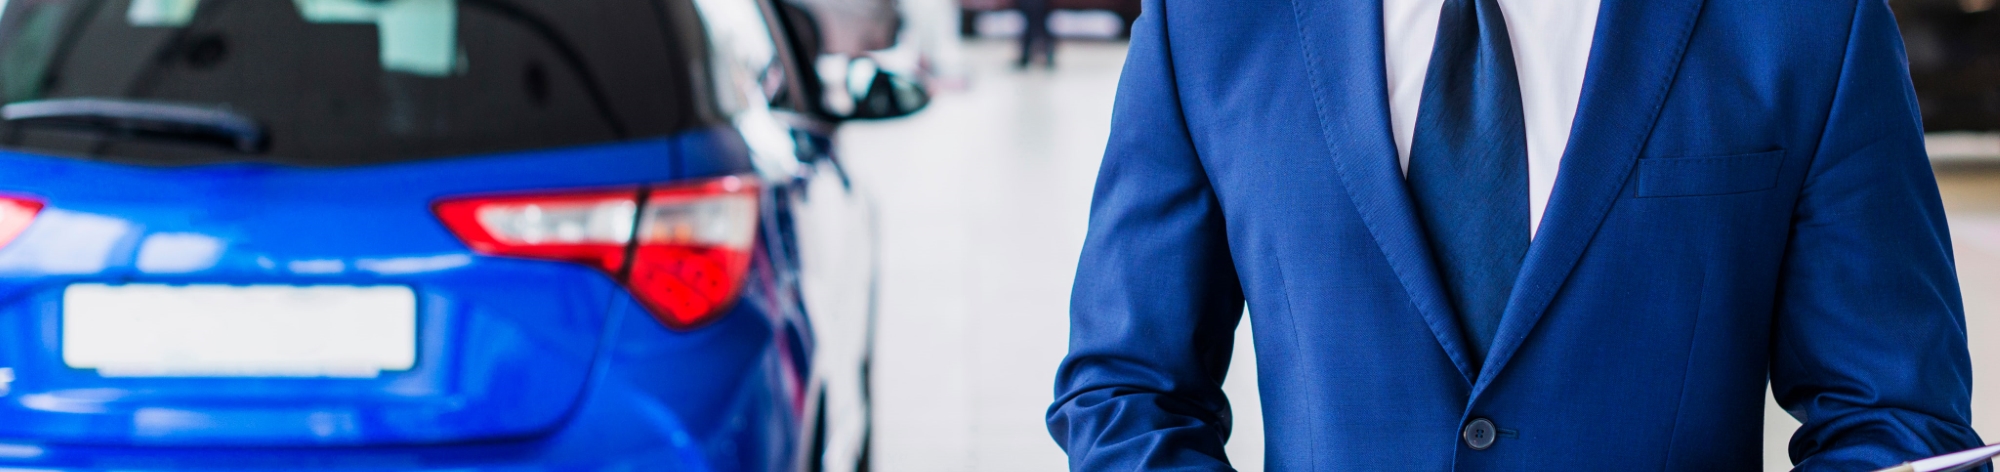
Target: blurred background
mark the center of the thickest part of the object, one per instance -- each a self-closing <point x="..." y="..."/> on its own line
<point x="980" y="201"/>
<point x="984" y="196"/>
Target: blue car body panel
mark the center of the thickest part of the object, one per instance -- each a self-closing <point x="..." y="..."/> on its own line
<point x="521" y="363"/>
<point x="641" y="413"/>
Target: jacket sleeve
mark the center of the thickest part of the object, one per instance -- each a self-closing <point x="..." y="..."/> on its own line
<point x="1156" y="299"/>
<point x="1869" y="343"/>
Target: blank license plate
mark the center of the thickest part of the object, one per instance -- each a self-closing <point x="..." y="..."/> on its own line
<point x="142" y="330"/>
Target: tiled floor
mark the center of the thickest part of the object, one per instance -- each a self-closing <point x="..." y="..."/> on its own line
<point x="983" y="200"/>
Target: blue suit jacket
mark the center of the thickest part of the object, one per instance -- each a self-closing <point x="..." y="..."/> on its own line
<point x="1745" y="197"/>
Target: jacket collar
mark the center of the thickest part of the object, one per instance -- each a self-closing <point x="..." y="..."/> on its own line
<point x="1342" y="42"/>
<point x="1633" y="58"/>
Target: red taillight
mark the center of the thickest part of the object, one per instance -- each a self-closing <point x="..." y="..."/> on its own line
<point x="15" y="215"/>
<point x="692" y="250"/>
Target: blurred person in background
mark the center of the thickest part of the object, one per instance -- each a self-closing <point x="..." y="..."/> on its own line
<point x="1036" y="40"/>
<point x="1549" y="239"/>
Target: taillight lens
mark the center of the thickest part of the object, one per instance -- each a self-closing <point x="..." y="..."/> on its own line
<point x="15" y="215"/>
<point x="688" y="262"/>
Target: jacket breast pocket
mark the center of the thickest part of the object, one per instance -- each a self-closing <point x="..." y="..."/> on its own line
<point x="1709" y="175"/>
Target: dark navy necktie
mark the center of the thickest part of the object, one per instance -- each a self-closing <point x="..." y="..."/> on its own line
<point x="1469" y="165"/>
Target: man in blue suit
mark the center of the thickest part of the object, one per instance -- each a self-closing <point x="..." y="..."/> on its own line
<point x="1516" y="235"/>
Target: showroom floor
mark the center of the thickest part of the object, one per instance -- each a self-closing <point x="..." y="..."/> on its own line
<point x="983" y="200"/>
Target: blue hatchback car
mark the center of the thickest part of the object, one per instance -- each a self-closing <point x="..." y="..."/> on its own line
<point x="430" y="235"/>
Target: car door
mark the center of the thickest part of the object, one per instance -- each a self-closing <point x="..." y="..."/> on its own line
<point x="823" y="222"/>
<point x="832" y="223"/>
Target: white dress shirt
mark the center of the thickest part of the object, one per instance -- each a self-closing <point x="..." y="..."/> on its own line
<point x="1551" y="41"/>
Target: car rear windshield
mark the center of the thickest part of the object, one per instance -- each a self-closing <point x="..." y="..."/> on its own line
<point x="351" y="82"/>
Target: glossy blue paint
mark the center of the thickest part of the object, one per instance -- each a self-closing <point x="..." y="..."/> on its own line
<point x="521" y="363"/>
<point x="633" y="417"/>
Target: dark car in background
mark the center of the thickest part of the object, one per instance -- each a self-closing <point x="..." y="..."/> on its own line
<point x="428" y="235"/>
<point x="1955" y="61"/>
<point x="1954" y="56"/>
<point x="1954" y="51"/>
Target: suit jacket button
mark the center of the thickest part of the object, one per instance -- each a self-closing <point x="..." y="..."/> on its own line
<point x="1479" y="434"/>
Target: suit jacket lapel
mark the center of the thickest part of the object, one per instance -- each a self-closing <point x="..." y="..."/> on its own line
<point x="1342" y="42"/>
<point x="1637" y="49"/>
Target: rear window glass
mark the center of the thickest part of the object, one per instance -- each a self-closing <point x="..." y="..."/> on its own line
<point x="351" y="82"/>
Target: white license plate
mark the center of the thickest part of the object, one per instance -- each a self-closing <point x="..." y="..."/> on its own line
<point x="143" y="330"/>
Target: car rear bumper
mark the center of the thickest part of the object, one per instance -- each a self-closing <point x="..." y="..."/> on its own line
<point x="720" y="398"/>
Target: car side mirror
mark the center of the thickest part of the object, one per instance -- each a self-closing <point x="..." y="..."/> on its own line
<point x="879" y="93"/>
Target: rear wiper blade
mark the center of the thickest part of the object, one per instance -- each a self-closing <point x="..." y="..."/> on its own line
<point x="143" y="118"/>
